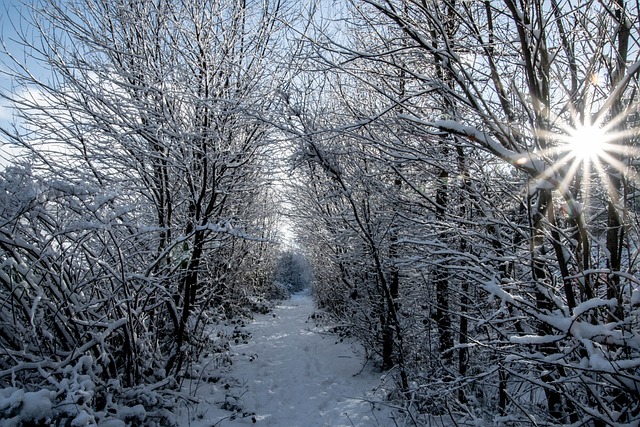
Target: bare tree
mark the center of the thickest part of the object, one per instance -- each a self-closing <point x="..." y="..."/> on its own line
<point x="500" y="100"/>
<point x="150" y="170"/>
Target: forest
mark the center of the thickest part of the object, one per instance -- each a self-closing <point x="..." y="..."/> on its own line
<point x="457" y="180"/>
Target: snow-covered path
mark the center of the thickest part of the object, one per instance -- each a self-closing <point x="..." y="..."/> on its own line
<point x="290" y="375"/>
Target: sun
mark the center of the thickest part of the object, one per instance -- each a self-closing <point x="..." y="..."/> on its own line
<point x="587" y="152"/>
<point x="592" y="145"/>
<point x="587" y="143"/>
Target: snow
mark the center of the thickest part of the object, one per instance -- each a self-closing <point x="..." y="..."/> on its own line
<point x="593" y="303"/>
<point x="635" y="297"/>
<point x="82" y="419"/>
<point x="292" y="373"/>
<point x="26" y="406"/>
<point x="523" y="160"/>
<point x="37" y="405"/>
<point x="535" y="339"/>
<point x="137" y="413"/>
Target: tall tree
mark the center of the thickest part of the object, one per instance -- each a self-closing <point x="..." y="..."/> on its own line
<point x="148" y="160"/>
<point x="510" y="93"/>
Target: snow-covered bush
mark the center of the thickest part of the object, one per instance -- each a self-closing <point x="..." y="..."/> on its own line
<point x="85" y="326"/>
<point x="77" y="397"/>
<point x="70" y="325"/>
<point x="143" y="217"/>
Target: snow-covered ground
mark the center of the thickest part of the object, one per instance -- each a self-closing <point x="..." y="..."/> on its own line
<point x="291" y="373"/>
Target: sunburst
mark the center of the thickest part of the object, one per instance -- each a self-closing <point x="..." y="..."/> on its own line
<point x="586" y="143"/>
<point x="590" y="147"/>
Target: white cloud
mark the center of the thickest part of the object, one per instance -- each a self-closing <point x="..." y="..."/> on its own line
<point x="8" y="154"/>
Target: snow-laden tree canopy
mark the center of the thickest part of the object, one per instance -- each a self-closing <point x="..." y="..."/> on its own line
<point x="460" y="176"/>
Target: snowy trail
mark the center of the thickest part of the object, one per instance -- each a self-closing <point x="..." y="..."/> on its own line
<point x="290" y="375"/>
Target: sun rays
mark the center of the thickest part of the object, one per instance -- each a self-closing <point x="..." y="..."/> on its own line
<point x="586" y="143"/>
<point x="588" y="150"/>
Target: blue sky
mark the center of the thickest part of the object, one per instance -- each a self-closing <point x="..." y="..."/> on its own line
<point x="10" y="26"/>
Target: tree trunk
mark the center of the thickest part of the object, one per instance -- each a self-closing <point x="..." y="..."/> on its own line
<point x="463" y="338"/>
<point x="543" y="304"/>
<point x="189" y="293"/>
<point x="442" y="317"/>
